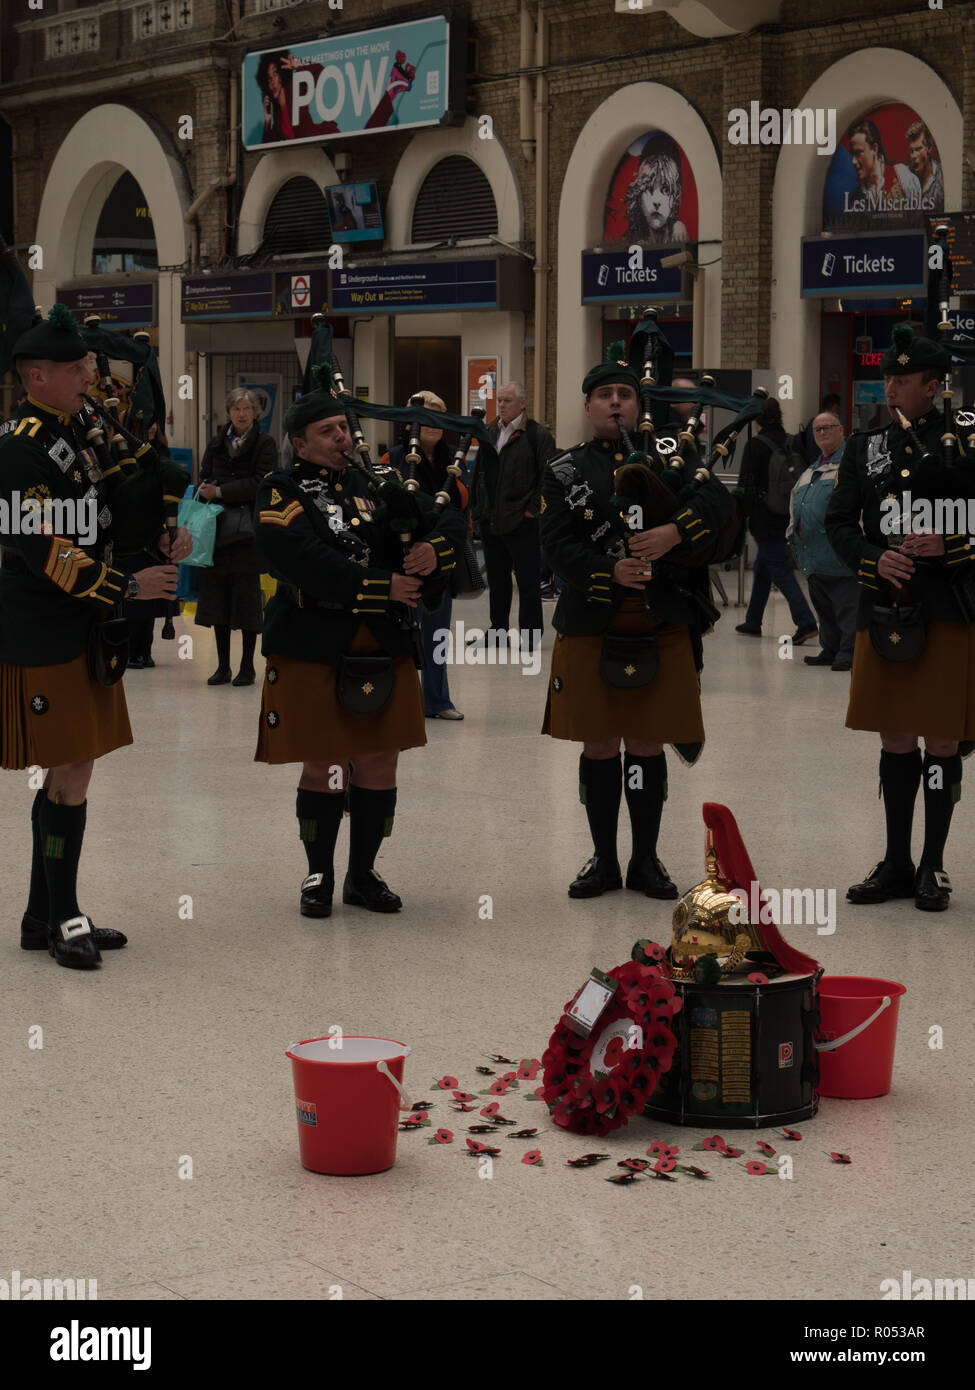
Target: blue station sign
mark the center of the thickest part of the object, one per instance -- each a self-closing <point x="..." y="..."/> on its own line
<point x="400" y="289"/>
<point x="609" y="278"/>
<point x="875" y="266"/>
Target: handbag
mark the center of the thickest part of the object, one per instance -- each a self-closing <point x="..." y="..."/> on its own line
<point x="108" y="651"/>
<point x="898" y="633"/>
<point x="466" y="579"/>
<point x="200" y="519"/>
<point x="365" y="684"/>
<point x="629" y="663"/>
<point x="235" y="526"/>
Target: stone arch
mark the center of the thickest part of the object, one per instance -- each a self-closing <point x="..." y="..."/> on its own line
<point x="614" y="125"/>
<point x="425" y="150"/>
<point x="851" y="86"/>
<point x="273" y="171"/>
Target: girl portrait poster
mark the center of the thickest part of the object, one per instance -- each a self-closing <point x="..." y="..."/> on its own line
<point x="653" y="196"/>
<point x="886" y="172"/>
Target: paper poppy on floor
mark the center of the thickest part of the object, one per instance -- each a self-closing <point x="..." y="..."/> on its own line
<point x="758" y="1170"/>
<point x="533" y="1156"/>
<point x="528" y="1068"/>
<point x="636" y="1165"/>
<point x="476" y="1147"/>
<point x="694" y="1172"/>
<point x="464" y="1097"/>
<point x="442" y="1136"/>
<point x="446" y="1083"/>
<point x="841" y="1158"/>
<point x="789" y="1133"/>
<point x="499" y="1088"/>
<point x="496" y="1057"/>
<point x="714" y="1144"/>
<point x="423" y="1105"/>
<point x="594" y="1085"/>
<point x="485" y="1071"/>
<point x="766" y="1148"/>
<point x="480" y="1129"/>
<point x="665" y="1165"/>
<point x="501" y="1120"/>
<point x="624" y="1179"/>
<point x="522" y="1134"/>
<point x="586" y="1161"/>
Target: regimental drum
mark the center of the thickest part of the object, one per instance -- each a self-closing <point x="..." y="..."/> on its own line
<point x="746" y="1057"/>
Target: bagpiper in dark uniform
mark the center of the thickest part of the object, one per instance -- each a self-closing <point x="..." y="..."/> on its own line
<point x="613" y="628"/>
<point x="914" y="604"/>
<point x="55" y="590"/>
<point x="341" y="683"/>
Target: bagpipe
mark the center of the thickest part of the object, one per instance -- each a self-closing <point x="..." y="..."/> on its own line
<point x="662" y="473"/>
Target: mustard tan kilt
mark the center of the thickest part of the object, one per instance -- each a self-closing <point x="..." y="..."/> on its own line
<point x="303" y="722"/>
<point x="581" y="706"/>
<point x="52" y="715"/>
<point x="933" y="695"/>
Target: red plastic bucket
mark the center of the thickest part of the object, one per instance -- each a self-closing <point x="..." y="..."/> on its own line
<point x="857" y="1033"/>
<point x="348" y="1100"/>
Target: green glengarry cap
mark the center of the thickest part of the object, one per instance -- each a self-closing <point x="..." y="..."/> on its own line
<point x="54" y="339"/>
<point x="317" y="405"/>
<point x="609" y="374"/>
<point x="909" y="353"/>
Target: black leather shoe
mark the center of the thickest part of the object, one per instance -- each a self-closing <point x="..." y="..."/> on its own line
<point x="135" y="663"/>
<point x="931" y="889"/>
<point x="821" y="660"/>
<point x="221" y="676"/>
<point x="840" y="665"/>
<point x="243" y="678"/>
<point x="316" y="896"/>
<point x="598" y="875"/>
<point x="650" y="877"/>
<point x="168" y="633"/>
<point x="370" y="892"/>
<point x="747" y="631"/>
<point x="71" y="944"/>
<point x="803" y="634"/>
<point x="148" y="663"/>
<point x="34" y="936"/>
<point x="885" y="881"/>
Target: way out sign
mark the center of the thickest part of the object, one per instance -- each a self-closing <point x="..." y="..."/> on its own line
<point x="300" y="291"/>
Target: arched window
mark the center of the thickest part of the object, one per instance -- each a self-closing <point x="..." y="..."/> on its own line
<point x="455" y="200"/>
<point x="124" y="237"/>
<point x="297" y="220"/>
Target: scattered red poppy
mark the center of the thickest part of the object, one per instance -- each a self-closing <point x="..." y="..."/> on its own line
<point x="665" y="1165"/>
<point x="532" y="1156"/>
<point x="714" y="1144"/>
<point x="696" y="1172"/>
<point x="523" y="1134"/>
<point x="669" y="1151"/>
<point x="636" y="1165"/>
<point x="500" y="1120"/>
<point x="540" y="1092"/>
<point x="624" y="1179"/>
<point x="510" y="1076"/>
<point x="463" y="1109"/>
<point x="757" y="978"/>
<point x="756" y="1169"/>
<point x="496" y="1057"/>
<point x="657" y="1147"/>
<point x="443" y="1136"/>
<point x="488" y="1110"/>
<point x="417" y="1115"/>
<point x="528" y="1068"/>
<point x="730" y="1152"/>
<point x="789" y="1133"/>
<point x="464" y="1097"/>
<point x="476" y="1146"/>
<point x="446" y="1083"/>
<point x="586" y="1161"/>
<point x="766" y="1148"/>
<point x="480" y="1129"/>
<point x="498" y="1088"/>
<point x="841" y="1158"/>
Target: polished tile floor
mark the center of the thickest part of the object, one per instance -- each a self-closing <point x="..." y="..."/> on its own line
<point x="151" y="1142"/>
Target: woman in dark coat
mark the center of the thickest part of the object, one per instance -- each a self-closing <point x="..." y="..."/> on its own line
<point x="230" y="591"/>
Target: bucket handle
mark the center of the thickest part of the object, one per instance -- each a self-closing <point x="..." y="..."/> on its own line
<point x="835" y="1043"/>
<point x="383" y="1070"/>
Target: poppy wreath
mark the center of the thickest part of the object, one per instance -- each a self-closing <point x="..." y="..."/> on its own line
<point x="597" y="1103"/>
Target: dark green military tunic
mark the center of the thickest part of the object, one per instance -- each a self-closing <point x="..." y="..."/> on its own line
<point x="330" y="545"/>
<point x="935" y="694"/>
<point x="582" y="548"/>
<point x="56" y="582"/>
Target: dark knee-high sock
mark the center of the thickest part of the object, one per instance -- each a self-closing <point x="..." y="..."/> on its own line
<point x="645" y="789"/>
<point x="248" y="641"/>
<point x="939" y="802"/>
<point x="600" y="790"/>
<point x="900" y="774"/>
<point x="319" y="817"/>
<point x="37" y="894"/>
<point x="370" y="821"/>
<point x="62" y="832"/>
<point x="222" y="635"/>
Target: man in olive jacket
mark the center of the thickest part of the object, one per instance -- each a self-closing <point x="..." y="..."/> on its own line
<point x="507" y="498"/>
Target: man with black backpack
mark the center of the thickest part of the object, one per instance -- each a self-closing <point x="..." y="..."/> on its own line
<point x="770" y="470"/>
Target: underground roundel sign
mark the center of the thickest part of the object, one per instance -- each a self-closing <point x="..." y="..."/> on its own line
<point x="300" y="291"/>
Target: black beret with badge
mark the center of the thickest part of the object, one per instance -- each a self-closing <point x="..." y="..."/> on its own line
<point x="54" y="339"/>
<point x="909" y="353"/>
<point x="612" y="373"/>
<point x="317" y="405"/>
